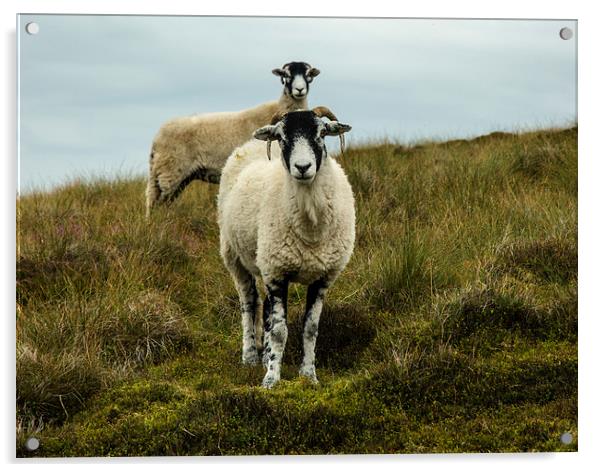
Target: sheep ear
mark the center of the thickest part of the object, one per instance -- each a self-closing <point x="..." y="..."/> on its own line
<point x="267" y="133"/>
<point x="334" y="128"/>
<point x="313" y="72"/>
<point x="279" y="72"/>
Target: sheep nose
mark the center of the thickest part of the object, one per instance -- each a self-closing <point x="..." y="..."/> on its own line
<point x="302" y="168"/>
<point x="300" y="89"/>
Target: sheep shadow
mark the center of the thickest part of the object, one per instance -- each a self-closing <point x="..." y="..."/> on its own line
<point x="346" y="330"/>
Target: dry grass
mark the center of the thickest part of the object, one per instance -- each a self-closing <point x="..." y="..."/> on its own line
<point x="458" y="308"/>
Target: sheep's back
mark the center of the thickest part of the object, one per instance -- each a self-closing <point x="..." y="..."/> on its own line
<point x="209" y="137"/>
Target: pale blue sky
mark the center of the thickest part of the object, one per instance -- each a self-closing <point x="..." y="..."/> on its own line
<point x="95" y="89"/>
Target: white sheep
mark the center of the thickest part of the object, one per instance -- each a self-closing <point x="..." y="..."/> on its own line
<point x="290" y="219"/>
<point x="196" y="147"/>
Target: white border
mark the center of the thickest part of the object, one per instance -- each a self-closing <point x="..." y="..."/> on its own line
<point x="589" y="219"/>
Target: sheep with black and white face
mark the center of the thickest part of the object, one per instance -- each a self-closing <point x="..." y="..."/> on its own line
<point x="196" y="147"/>
<point x="284" y="220"/>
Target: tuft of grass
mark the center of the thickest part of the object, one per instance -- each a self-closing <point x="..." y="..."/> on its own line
<point x="445" y="382"/>
<point x="453" y="328"/>
<point x="52" y="385"/>
<point x="148" y="329"/>
<point x="404" y="274"/>
<point x="548" y="157"/>
<point x="552" y="259"/>
<point x="67" y="354"/>
<point x="486" y="310"/>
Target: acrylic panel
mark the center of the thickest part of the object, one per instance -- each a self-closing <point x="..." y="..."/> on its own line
<point x="272" y="236"/>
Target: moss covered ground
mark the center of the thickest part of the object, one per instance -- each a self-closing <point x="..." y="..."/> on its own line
<point x="453" y="329"/>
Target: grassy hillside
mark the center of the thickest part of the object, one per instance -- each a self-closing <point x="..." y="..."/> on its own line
<point x="454" y="327"/>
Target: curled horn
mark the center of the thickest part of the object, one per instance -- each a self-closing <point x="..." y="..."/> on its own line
<point x="324" y="111"/>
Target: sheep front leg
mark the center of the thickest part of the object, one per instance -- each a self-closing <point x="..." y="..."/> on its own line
<point x="313" y="308"/>
<point x="275" y="331"/>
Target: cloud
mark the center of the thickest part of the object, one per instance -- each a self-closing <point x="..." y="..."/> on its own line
<point x="94" y="90"/>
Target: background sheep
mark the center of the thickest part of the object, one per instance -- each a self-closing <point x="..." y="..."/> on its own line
<point x="285" y="220"/>
<point x="196" y="147"/>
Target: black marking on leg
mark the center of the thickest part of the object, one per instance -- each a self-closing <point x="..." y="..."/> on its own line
<point x="251" y="306"/>
<point x="315" y="291"/>
<point x="277" y="335"/>
<point x="267" y="310"/>
<point x="254" y="297"/>
<point x="266" y="353"/>
<point x="250" y="298"/>
<point x="274" y="331"/>
<point x="278" y="291"/>
<point x="311" y="329"/>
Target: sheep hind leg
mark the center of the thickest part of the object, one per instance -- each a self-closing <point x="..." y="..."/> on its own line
<point x="259" y="326"/>
<point x="153" y="193"/>
<point x="276" y="331"/>
<point x="159" y="192"/>
<point x="153" y="189"/>
<point x="247" y="293"/>
<point x="313" y="309"/>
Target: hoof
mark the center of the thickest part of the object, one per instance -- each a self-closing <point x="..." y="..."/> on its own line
<point x="309" y="373"/>
<point x="269" y="380"/>
<point x="250" y="357"/>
